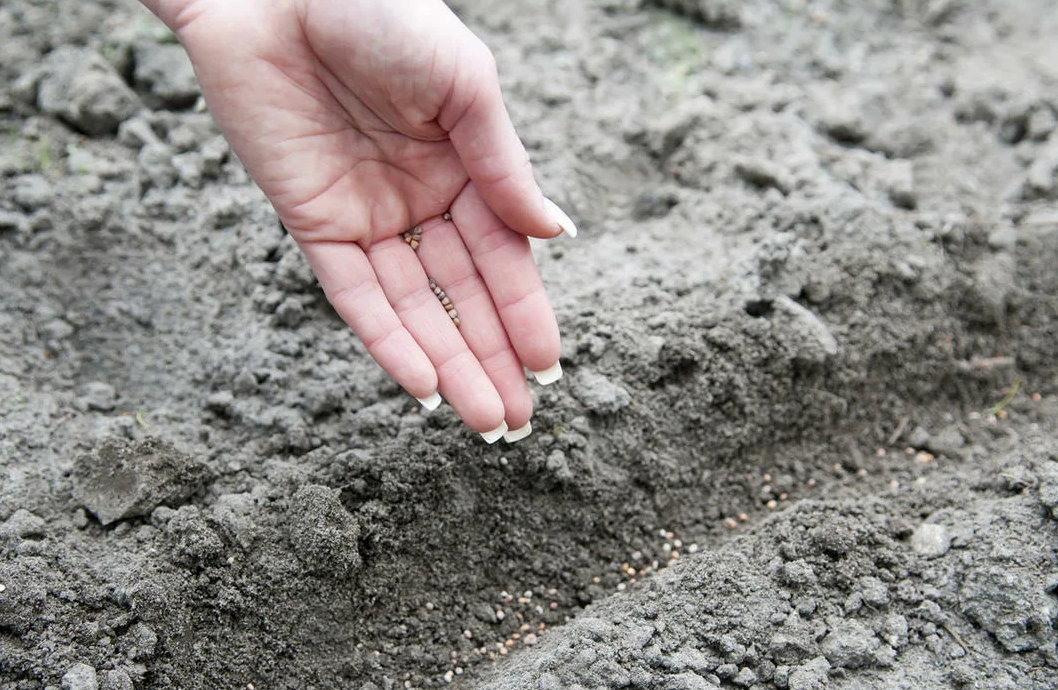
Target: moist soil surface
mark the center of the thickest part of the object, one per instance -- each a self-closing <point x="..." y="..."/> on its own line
<point x="806" y="436"/>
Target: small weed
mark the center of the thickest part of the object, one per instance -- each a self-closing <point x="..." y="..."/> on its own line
<point x="44" y="154"/>
<point x="999" y="406"/>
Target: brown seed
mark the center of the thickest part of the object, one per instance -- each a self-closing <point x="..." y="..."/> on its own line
<point x="453" y="313"/>
<point x="446" y="301"/>
<point x="414" y="244"/>
<point x="456" y="322"/>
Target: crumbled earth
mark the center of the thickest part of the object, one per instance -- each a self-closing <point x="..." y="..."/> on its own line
<point x="806" y="436"/>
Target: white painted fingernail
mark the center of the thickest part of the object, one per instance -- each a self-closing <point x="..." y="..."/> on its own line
<point x="560" y="217"/>
<point x="550" y="375"/>
<point x="518" y="434"/>
<point x="431" y="403"/>
<point x="496" y="434"/>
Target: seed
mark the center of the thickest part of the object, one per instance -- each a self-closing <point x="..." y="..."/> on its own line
<point x="453" y="313"/>
<point x="446" y="301"/>
<point x="456" y="322"/>
<point x="414" y="244"/>
<point x="447" y="216"/>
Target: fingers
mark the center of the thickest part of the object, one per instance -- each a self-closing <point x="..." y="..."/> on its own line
<point x="353" y="289"/>
<point x="495" y="159"/>
<point x="449" y="264"/>
<point x="462" y="380"/>
<point x="505" y="262"/>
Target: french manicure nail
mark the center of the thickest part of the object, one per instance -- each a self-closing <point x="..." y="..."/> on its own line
<point x="550" y="375"/>
<point x="518" y="434"/>
<point x="560" y="217"/>
<point x="496" y="434"/>
<point x="431" y="403"/>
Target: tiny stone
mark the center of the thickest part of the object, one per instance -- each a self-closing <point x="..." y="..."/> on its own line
<point x="453" y="313"/>
<point x="80" y="677"/>
<point x="745" y="678"/>
<point x="115" y="680"/>
<point x="22" y="525"/>
<point x="931" y="540"/>
<point x="99" y="396"/>
<point x="447" y="216"/>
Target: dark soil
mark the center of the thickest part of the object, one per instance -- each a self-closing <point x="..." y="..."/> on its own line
<point x="806" y="436"/>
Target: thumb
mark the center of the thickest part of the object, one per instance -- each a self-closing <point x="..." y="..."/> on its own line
<point x="495" y="159"/>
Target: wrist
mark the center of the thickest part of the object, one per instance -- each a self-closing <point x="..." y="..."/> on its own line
<point x="176" y="14"/>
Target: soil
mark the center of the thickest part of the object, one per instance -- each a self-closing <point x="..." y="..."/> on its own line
<point x="806" y="436"/>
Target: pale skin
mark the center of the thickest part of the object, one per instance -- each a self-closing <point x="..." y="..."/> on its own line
<point x="360" y="119"/>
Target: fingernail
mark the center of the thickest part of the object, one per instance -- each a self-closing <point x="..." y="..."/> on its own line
<point x="431" y="403"/>
<point x="518" y="434"/>
<point x="496" y="434"/>
<point x="560" y="217"/>
<point x="550" y="375"/>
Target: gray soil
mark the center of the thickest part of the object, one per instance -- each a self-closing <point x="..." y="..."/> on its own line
<point x="806" y="436"/>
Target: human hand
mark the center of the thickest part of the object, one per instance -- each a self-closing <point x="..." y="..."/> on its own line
<point x="362" y="120"/>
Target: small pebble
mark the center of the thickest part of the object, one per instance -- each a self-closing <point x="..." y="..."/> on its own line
<point x="931" y="540"/>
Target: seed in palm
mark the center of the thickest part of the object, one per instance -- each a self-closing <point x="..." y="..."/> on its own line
<point x="446" y="302"/>
<point x="413" y="237"/>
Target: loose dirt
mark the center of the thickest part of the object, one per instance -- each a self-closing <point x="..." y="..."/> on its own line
<point x="806" y="436"/>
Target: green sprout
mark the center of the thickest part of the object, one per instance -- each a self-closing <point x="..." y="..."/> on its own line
<point x="999" y="406"/>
